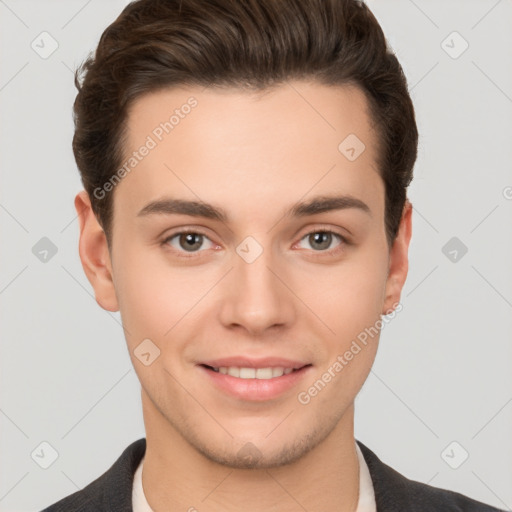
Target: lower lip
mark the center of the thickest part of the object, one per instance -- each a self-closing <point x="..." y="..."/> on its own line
<point x="255" y="389"/>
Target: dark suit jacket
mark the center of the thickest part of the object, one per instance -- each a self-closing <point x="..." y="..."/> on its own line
<point x="112" y="491"/>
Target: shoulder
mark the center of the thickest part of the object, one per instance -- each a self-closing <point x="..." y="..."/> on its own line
<point x="432" y="498"/>
<point x="111" y="491"/>
<point x="394" y="492"/>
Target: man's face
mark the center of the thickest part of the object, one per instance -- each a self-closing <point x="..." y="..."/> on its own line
<point x="263" y="282"/>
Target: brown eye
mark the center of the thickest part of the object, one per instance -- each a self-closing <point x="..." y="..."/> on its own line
<point x="188" y="241"/>
<point x="321" y="240"/>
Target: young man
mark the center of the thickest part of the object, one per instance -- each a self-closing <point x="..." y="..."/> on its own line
<point x="245" y="165"/>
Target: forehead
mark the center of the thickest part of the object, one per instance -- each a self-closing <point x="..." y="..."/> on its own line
<point x="274" y="147"/>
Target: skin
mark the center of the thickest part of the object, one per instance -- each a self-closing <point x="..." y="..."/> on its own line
<point x="254" y="155"/>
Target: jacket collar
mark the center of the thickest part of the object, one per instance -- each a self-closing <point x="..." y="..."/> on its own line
<point x="394" y="492"/>
<point x="386" y="481"/>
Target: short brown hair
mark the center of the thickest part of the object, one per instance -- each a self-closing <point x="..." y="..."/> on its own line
<point x="248" y="44"/>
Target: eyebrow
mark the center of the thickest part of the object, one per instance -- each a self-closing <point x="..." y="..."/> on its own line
<point x="319" y="204"/>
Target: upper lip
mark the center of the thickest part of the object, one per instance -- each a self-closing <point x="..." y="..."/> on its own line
<point x="245" y="362"/>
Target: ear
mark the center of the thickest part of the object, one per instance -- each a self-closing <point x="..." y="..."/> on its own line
<point x="398" y="261"/>
<point x="94" y="254"/>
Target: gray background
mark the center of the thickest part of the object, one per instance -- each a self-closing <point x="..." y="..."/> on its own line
<point x="443" y="371"/>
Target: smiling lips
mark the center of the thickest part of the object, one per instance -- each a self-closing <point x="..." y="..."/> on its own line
<point x="253" y="373"/>
<point x="246" y="368"/>
<point x="255" y="379"/>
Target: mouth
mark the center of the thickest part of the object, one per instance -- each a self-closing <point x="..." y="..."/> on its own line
<point x="270" y="372"/>
<point x="255" y="384"/>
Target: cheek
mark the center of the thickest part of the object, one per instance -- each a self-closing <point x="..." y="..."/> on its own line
<point x="155" y="296"/>
<point x="350" y="296"/>
<point x="148" y="296"/>
<point x="352" y="311"/>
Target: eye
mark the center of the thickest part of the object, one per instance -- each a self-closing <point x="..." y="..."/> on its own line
<point x="322" y="240"/>
<point x="188" y="241"/>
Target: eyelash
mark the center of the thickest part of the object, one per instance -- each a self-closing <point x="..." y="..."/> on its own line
<point x="343" y="242"/>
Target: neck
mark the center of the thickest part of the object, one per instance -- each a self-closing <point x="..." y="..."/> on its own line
<point x="176" y="476"/>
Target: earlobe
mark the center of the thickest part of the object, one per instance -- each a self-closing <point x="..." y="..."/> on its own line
<point x="94" y="254"/>
<point x="398" y="261"/>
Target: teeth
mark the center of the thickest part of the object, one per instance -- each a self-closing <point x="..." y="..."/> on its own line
<point x="264" y="373"/>
<point x="254" y="373"/>
<point x="234" y="371"/>
<point x="277" y="372"/>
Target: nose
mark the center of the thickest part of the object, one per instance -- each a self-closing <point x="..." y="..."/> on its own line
<point x="257" y="296"/>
